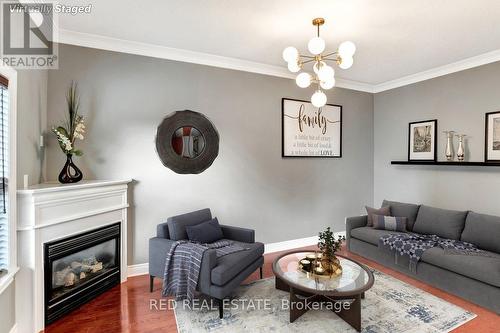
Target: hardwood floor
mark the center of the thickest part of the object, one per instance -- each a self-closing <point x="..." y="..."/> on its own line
<point x="126" y="308"/>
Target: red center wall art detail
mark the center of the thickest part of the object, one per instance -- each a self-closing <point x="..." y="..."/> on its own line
<point x="188" y="142"/>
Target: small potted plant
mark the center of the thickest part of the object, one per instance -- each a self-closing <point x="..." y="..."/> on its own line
<point x="329" y="246"/>
<point x="72" y="129"/>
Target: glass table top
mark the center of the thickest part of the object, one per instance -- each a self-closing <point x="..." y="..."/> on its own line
<point x="353" y="277"/>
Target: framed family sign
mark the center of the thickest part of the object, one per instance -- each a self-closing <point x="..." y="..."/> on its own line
<point x="422" y="137"/>
<point x="492" y="144"/>
<point x="308" y="131"/>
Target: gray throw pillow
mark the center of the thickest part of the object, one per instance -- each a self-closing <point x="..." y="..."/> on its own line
<point x="441" y="222"/>
<point x="390" y="223"/>
<point x="403" y="209"/>
<point x="205" y="232"/>
<point x="177" y="224"/>
<point x="384" y="211"/>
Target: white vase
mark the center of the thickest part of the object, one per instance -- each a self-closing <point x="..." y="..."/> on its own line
<point x="449" y="145"/>
<point x="461" y="147"/>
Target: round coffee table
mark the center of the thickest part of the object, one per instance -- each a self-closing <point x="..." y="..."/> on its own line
<point x="340" y="294"/>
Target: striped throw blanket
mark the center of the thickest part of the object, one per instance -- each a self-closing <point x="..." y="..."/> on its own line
<point x="413" y="246"/>
<point x="183" y="264"/>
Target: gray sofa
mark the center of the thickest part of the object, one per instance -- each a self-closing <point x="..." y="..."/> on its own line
<point x="475" y="278"/>
<point x="218" y="276"/>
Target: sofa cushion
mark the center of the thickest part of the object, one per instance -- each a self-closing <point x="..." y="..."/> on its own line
<point x="392" y="223"/>
<point x="482" y="268"/>
<point x="441" y="222"/>
<point x="177" y="224"/>
<point x="371" y="235"/>
<point x="403" y="209"/>
<point x="384" y="211"/>
<point x="205" y="232"/>
<point x="483" y="231"/>
<point x="230" y="265"/>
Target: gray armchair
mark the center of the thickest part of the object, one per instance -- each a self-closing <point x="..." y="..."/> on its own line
<point x="218" y="276"/>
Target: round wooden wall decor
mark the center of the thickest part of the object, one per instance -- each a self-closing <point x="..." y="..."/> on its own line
<point x="187" y="142"/>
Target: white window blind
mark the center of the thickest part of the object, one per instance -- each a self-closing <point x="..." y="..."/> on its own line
<point x="4" y="172"/>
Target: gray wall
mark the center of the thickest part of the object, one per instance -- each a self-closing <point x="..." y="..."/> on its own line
<point x="125" y="97"/>
<point x="31" y="123"/>
<point x="7" y="306"/>
<point x="459" y="101"/>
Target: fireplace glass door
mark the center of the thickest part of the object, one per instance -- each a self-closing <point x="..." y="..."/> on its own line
<point x="78" y="268"/>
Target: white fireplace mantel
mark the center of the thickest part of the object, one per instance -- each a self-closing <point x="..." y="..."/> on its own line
<point x="51" y="211"/>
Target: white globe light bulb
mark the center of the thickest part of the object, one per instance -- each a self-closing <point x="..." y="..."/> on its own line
<point x="346" y="62"/>
<point x="293" y="67"/>
<point x="317" y="66"/>
<point x="325" y="73"/>
<point x="303" y="80"/>
<point x="318" y="99"/>
<point x="329" y="84"/>
<point x="290" y="54"/>
<point x="347" y="49"/>
<point x="316" y="45"/>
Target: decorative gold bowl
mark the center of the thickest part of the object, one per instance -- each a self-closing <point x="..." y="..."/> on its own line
<point x="317" y="265"/>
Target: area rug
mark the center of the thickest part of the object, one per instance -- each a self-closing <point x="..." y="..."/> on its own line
<point x="390" y="306"/>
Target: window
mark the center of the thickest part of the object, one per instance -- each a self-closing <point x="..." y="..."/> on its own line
<point x="4" y="172"/>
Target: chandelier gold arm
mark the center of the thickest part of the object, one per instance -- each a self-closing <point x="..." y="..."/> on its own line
<point x="308" y="61"/>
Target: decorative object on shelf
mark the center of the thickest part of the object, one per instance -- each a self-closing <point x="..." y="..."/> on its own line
<point x="187" y="142"/>
<point x="449" y="153"/>
<point x="73" y="129"/>
<point x="323" y="74"/>
<point x="492" y="137"/>
<point x="422" y="141"/>
<point x="461" y="147"/>
<point x="310" y="132"/>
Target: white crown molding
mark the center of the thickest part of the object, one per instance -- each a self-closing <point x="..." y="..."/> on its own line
<point x="482" y="59"/>
<point x="163" y="52"/>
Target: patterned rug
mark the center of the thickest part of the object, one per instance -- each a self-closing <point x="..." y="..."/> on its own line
<point x="390" y="306"/>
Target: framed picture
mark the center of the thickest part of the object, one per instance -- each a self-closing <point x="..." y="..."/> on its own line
<point x="492" y="142"/>
<point x="308" y="131"/>
<point x="422" y="141"/>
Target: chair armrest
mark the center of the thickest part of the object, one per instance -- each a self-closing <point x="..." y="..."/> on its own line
<point x="162" y="230"/>
<point x="158" y="250"/>
<point x="353" y="223"/>
<point x="208" y="262"/>
<point x="238" y="234"/>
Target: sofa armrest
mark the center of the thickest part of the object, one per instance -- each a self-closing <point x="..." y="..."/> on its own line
<point x="353" y="223"/>
<point x="158" y="250"/>
<point x="162" y="230"/>
<point x="238" y="234"/>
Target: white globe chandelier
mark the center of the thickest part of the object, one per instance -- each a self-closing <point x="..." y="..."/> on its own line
<point x="324" y="75"/>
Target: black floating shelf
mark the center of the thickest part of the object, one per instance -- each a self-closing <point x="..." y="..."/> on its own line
<point x="453" y="163"/>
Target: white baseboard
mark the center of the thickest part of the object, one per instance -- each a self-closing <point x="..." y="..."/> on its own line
<point x="13" y="329"/>
<point x="142" y="269"/>
<point x="290" y="244"/>
<point x="294" y="243"/>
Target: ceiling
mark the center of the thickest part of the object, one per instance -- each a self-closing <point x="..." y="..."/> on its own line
<point x="394" y="38"/>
